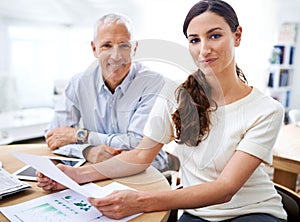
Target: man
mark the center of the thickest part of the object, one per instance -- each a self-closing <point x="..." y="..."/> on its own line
<point x="112" y="98"/>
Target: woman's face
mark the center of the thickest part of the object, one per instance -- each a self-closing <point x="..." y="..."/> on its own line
<point x="211" y="43"/>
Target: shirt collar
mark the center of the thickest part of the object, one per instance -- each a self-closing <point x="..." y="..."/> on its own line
<point x="123" y="86"/>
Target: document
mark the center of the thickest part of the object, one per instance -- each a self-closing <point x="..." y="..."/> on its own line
<point x="63" y="206"/>
<point x="47" y="167"/>
<point x="10" y="184"/>
<point x="67" y="205"/>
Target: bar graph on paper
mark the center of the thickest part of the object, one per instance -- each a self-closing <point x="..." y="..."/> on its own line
<point x="59" y="210"/>
<point x="63" y="206"/>
<point x="44" y="212"/>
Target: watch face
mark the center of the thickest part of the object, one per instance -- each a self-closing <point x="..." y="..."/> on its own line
<point x="81" y="134"/>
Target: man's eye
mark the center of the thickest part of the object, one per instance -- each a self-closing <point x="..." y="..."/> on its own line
<point x="194" y="40"/>
<point x="106" y="46"/>
<point x="125" y="46"/>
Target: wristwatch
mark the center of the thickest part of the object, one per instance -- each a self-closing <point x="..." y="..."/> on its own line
<point x="81" y="135"/>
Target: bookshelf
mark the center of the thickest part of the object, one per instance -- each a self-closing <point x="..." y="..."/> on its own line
<point x="281" y="69"/>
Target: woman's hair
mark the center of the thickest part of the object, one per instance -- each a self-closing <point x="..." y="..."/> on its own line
<point x="192" y="117"/>
<point x="218" y="7"/>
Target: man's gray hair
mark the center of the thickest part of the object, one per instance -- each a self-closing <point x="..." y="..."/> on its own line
<point x="114" y="18"/>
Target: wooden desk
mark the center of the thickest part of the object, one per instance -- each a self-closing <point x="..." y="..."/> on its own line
<point x="150" y="180"/>
<point x="286" y="156"/>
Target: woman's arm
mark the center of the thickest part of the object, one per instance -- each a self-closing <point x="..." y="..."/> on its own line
<point x="234" y="175"/>
<point x="129" y="162"/>
<point x="125" y="164"/>
<point x="123" y="203"/>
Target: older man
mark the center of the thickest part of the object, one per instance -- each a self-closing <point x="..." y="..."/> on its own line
<point x="112" y="98"/>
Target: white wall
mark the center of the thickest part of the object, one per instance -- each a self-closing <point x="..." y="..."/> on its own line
<point x="159" y="19"/>
<point x="8" y="98"/>
<point x="4" y="48"/>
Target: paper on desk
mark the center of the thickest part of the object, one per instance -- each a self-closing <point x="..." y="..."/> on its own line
<point x="66" y="205"/>
<point x="47" y="167"/>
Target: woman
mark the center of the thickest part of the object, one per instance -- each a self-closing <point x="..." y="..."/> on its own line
<point x="224" y="130"/>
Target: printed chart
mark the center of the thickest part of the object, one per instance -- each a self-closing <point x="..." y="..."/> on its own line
<point x="63" y="206"/>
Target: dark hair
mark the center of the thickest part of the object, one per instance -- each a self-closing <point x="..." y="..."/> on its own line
<point x="218" y="7"/>
<point x="191" y="118"/>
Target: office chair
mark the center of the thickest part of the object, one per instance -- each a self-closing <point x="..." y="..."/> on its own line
<point x="172" y="173"/>
<point x="290" y="201"/>
<point x="294" y="116"/>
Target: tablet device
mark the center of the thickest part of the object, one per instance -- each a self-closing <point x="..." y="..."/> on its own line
<point x="28" y="173"/>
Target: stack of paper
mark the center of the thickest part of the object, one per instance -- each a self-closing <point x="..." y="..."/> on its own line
<point x="10" y="184"/>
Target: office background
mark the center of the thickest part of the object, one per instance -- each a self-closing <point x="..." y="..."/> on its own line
<point x="44" y="42"/>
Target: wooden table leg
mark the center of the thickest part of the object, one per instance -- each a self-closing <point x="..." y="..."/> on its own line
<point x="285" y="178"/>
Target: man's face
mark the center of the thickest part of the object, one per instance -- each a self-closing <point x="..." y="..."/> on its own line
<point x="113" y="49"/>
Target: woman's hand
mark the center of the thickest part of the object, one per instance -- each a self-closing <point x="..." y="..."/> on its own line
<point x="120" y="203"/>
<point x="48" y="184"/>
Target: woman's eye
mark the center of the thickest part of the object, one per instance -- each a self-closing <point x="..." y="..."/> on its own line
<point x="215" y="36"/>
<point x="194" y="40"/>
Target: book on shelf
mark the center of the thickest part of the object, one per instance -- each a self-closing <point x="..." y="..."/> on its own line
<point x="277" y="54"/>
<point x="291" y="59"/>
<point x="288" y="32"/>
<point x="288" y="56"/>
<point x="283" y="77"/>
<point x="287" y="98"/>
<point x="282" y="97"/>
<point x="271" y="80"/>
<point x="283" y="54"/>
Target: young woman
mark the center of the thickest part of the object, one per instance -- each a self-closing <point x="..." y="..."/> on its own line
<point x="223" y="128"/>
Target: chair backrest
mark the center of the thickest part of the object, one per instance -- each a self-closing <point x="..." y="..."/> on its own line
<point x="294" y="116"/>
<point x="290" y="201"/>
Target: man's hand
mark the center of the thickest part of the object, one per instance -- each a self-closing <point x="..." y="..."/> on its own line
<point x="96" y="154"/>
<point x="60" y="136"/>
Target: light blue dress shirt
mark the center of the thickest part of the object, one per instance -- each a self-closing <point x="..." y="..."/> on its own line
<point x="116" y="119"/>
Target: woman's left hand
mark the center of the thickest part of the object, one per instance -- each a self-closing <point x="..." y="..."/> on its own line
<point x="119" y="204"/>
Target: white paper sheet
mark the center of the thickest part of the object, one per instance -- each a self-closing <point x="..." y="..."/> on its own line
<point x="63" y="206"/>
<point x="46" y="166"/>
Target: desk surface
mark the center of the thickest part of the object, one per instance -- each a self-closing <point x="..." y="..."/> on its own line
<point x="286" y="153"/>
<point x="286" y="156"/>
<point x="288" y="143"/>
<point x="150" y="180"/>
